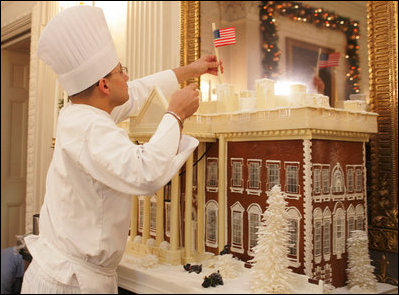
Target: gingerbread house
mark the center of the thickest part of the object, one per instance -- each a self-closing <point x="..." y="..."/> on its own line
<point x="249" y="142"/>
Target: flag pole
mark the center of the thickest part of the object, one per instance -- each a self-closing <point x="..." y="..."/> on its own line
<point x="317" y="65"/>
<point x="217" y="55"/>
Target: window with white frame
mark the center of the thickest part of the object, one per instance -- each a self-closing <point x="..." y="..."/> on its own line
<point x="292" y="177"/>
<point x="141" y="214"/>
<point x="167" y="218"/>
<point x="254" y="219"/>
<point x="317" y="227"/>
<point x="359" y="217"/>
<point x="237" y="235"/>
<point x="359" y="181"/>
<point x="236" y="175"/>
<point x="359" y="223"/>
<point x="294" y="218"/>
<point x="338" y="180"/>
<point x="254" y="174"/>
<point x="326" y="180"/>
<point x="273" y="174"/>
<point x="350" y="175"/>
<point x="351" y="220"/>
<point x="316" y="180"/>
<point x="212" y="224"/>
<point x="339" y="233"/>
<point x="212" y="174"/>
<point x="293" y="232"/>
<point x="237" y="229"/>
<point x="351" y="225"/>
<point x="326" y="234"/>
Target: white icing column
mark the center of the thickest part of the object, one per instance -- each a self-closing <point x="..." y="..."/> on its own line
<point x="159" y="220"/>
<point x="133" y="218"/>
<point x="201" y="200"/>
<point x="221" y="192"/>
<point x="188" y="209"/>
<point x="174" y="213"/>
<point x="146" y="220"/>
<point x="307" y="204"/>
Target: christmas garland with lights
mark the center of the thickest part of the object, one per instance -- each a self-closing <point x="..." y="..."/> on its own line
<point x="317" y="16"/>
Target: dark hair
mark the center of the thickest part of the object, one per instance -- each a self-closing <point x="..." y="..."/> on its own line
<point x="88" y="91"/>
<point x="25" y="254"/>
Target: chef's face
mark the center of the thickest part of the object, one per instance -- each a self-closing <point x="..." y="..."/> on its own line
<point x="118" y="78"/>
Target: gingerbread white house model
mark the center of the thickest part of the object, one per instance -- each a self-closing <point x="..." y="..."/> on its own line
<point x="250" y="142"/>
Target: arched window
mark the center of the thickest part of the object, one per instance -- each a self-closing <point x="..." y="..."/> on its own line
<point x="212" y="224"/>
<point x="339" y="231"/>
<point x="317" y="228"/>
<point x="254" y="219"/>
<point x="351" y="220"/>
<point x="360" y="217"/>
<point x="327" y="234"/>
<point x="338" y="180"/>
<point x="294" y="230"/>
<point x="237" y="235"/>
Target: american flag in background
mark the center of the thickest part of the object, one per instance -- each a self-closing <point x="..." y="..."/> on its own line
<point x="226" y="36"/>
<point x="332" y="61"/>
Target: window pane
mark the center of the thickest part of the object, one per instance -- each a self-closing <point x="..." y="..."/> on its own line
<point x="273" y="175"/>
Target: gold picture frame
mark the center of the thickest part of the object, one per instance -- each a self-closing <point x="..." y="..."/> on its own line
<point x="383" y="64"/>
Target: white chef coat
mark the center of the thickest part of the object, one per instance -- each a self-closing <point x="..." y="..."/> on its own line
<point x="94" y="172"/>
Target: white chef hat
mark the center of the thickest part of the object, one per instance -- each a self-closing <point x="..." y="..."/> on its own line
<point x="78" y="46"/>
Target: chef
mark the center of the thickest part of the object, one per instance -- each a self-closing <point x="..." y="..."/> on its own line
<point x="95" y="170"/>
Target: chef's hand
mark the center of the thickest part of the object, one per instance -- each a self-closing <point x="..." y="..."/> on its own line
<point x="318" y="84"/>
<point x="207" y="64"/>
<point x="185" y="102"/>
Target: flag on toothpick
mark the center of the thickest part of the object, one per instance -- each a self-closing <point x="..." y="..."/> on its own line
<point x="331" y="61"/>
<point x="226" y="36"/>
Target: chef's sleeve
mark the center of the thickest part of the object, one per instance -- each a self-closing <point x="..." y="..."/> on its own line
<point x="140" y="89"/>
<point x="110" y="157"/>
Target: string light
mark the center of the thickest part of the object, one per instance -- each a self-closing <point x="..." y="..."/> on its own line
<point x="317" y="16"/>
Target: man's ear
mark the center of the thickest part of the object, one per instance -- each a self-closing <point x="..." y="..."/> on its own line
<point x="103" y="86"/>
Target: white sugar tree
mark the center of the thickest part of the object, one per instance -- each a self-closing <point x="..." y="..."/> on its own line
<point x="270" y="272"/>
<point x="360" y="270"/>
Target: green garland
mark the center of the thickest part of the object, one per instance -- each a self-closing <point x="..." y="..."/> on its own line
<point x="317" y="16"/>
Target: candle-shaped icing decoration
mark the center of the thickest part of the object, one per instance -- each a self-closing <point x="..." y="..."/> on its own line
<point x="298" y="94"/>
<point x="227" y="101"/>
<point x="247" y="100"/>
<point x="264" y="93"/>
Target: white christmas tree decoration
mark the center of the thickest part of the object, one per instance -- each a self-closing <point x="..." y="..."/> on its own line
<point x="360" y="270"/>
<point x="270" y="272"/>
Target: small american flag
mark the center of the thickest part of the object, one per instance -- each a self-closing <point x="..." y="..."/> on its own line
<point x="226" y="36"/>
<point x="332" y="61"/>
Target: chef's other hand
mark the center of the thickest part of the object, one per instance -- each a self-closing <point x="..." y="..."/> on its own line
<point x="185" y="102"/>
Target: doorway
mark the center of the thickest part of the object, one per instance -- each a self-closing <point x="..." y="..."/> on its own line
<point x="15" y="57"/>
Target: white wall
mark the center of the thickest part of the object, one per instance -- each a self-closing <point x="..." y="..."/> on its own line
<point x="14" y="10"/>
